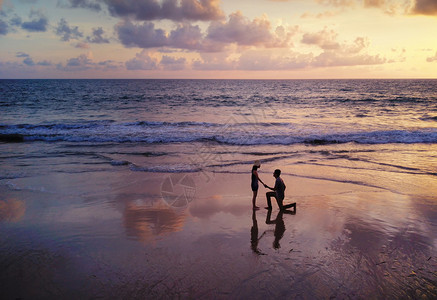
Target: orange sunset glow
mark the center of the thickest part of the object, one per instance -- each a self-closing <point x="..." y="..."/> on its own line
<point x="218" y="39"/>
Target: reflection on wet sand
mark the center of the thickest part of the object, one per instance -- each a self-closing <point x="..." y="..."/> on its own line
<point x="278" y="232"/>
<point x="279" y="227"/>
<point x="145" y="222"/>
<point x="206" y="207"/>
<point x="12" y="210"/>
<point x="254" y="239"/>
<point x="145" y="214"/>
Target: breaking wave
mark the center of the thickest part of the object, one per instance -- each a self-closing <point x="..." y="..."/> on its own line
<point x="188" y="132"/>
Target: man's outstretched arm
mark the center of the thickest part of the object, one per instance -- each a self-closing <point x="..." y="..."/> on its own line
<point x="272" y="188"/>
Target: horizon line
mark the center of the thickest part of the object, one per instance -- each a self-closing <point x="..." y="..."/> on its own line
<point x="382" y="78"/>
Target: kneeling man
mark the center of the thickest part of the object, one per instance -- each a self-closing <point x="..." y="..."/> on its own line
<point x="277" y="192"/>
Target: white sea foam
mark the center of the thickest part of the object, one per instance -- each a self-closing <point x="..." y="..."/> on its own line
<point x="186" y="132"/>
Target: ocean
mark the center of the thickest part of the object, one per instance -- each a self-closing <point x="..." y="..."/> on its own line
<point x="235" y="117"/>
<point x="124" y="155"/>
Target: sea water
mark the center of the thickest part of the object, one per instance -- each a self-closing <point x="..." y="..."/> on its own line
<point x="236" y="117"/>
<point x="73" y="154"/>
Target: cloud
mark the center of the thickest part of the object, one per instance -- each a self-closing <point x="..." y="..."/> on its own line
<point x="215" y="61"/>
<point x="85" y="63"/>
<point x="186" y="36"/>
<point x="109" y="65"/>
<point x="346" y="54"/>
<point x="425" y="7"/>
<point x="80" y="63"/>
<point x="143" y="35"/>
<point x="89" y="4"/>
<point x="171" y="63"/>
<point x="147" y="10"/>
<point x="374" y="3"/>
<point x="337" y="3"/>
<point x="7" y="68"/>
<point x="8" y="24"/>
<point x="325" y="39"/>
<point x="15" y="21"/>
<point x="97" y="36"/>
<point x="432" y="58"/>
<point x="82" y="45"/>
<point x="390" y="7"/>
<point x="66" y="32"/>
<point x="38" y="22"/>
<point x="28" y="61"/>
<point x="21" y="54"/>
<point x="256" y="60"/>
<point x="241" y="31"/>
<point x="142" y="61"/>
<point x="341" y="59"/>
<point x="45" y="63"/>
<point x="14" y="69"/>
<point x="238" y="30"/>
<point x="322" y="15"/>
<point x="3" y="27"/>
<point x="334" y="54"/>
<point x="420" y="7"/>
<point x="81" y="60"/>
<point x="360" y="43"/>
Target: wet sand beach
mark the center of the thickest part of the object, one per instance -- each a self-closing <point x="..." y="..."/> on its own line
<point x="128" y="235"/>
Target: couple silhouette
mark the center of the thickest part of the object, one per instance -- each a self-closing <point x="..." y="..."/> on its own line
<point x="278" y="191"/>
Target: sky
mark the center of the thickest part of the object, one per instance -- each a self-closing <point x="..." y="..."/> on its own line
<point x="234" y="39"/>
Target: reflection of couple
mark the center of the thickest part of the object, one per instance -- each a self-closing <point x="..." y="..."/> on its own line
<point x="278" y="191"/>
<point x="278" y="232"/>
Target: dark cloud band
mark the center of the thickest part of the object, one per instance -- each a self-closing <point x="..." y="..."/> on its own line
<point x="147" y="10"/>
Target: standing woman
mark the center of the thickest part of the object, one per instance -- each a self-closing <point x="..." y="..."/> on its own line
<point x="254" y="183"/>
